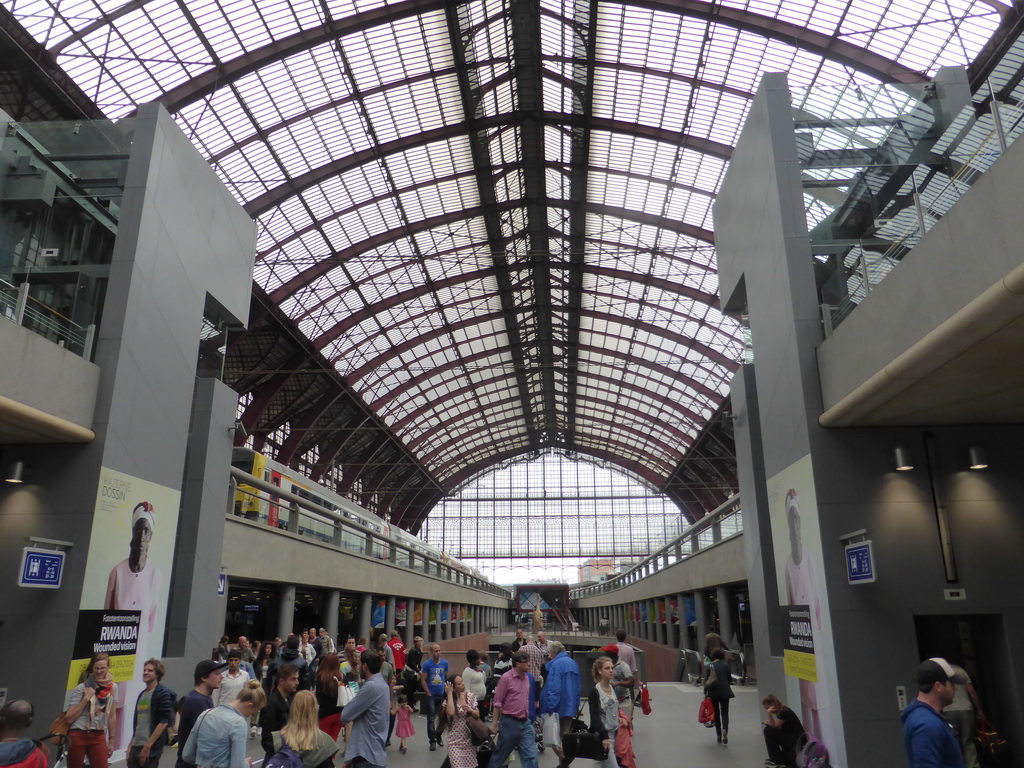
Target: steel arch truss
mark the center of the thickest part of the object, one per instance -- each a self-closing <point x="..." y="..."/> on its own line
<point x="484" y="226"/>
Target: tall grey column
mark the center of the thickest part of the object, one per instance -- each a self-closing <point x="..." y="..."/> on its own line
<point x="331" y="606"/>
<point x="661" y="630"/>
<point x="700" y="602"/>
<point x="439" y="627"/>
<point x="683" y="628"/>
<point x="389" y="616"/>
<point x="286" y="611"/>
<point x="425" y="624"/>
<point x="410" y="629"/>
<point x="725" y="628"/>
<point x="364" y="621"/>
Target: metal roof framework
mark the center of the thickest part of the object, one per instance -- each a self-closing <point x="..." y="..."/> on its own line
<point x="485" y="226"/>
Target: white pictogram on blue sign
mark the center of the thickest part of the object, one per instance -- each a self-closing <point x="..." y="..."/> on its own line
<point x="41" y="568"/>
<point x="860" y="565"/>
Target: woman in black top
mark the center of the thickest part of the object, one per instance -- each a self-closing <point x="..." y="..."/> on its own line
<point x="719" y="688"/>
<point x="328" y="677"/>
<point x="782" y="729"/>
<point x="261" y="666"/>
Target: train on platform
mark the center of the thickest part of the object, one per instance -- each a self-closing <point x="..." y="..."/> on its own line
<point x="262" y="507"/>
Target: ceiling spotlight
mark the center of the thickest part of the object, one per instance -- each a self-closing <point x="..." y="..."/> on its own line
<point x="15" y="472"/>
<point x="977" y="457"/>
<point x="903" y="462"/>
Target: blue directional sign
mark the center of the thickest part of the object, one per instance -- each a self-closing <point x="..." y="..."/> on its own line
<point x="222" y="584"/>
<point x="41" y="568"/>
<point x="860" y="563"/>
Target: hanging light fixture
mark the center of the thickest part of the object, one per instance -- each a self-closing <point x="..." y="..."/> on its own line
<point x="978" y="460"/>
<point x="903" y="462"/>
<point x="15" y="472"/>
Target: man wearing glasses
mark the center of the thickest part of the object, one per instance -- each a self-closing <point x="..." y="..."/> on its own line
<point x="514" y="713"/>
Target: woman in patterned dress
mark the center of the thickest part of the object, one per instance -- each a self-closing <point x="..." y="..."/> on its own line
<point x="460" y="705"/>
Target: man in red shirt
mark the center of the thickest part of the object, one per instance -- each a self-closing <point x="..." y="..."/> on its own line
<point x="397" y="648"/>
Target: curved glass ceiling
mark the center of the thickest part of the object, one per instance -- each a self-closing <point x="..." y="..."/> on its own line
<point x="494" y="218"/>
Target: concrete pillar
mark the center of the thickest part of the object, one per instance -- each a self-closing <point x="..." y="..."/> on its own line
<point x="286" y="611"/>
<point x="331" y="607"/>
<point x="410" y="630"/>
<point x="364" y="620"/>
<point x="425" y="624"/>
<point x="440" y="629"/>
<point x="725" y="622"/>
<point x="389" y="615"/>
<point x="682" y="635"/>
<point x="700" y="601"/>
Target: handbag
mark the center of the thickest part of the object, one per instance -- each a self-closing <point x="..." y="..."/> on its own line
<point x="990" y="743"/>
<point x="712" y="682"/>
<point x="645" y="699"/>
<point x="586" y="745"/>
<point x="483" y="754"/>
<point x="57" y="736"/>
<point x="345" y="694"/>
<point x="479" y="733"/>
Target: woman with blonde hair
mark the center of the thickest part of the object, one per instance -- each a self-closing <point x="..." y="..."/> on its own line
<point x="303" y="734"/>
<point x="604" y="708"/>
<point x="220" y="735"/>
<point x="350" y="669"/>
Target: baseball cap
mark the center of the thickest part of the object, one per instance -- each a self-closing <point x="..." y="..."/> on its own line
<point x="938" y="670"/>
<point x="206" y="666"/>
<point x="611" y="648"/>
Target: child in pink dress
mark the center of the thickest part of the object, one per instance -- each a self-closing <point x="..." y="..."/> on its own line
<point x="404" y="729"/>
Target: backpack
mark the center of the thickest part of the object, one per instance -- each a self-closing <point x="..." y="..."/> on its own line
<point x="286" y="757"/>
<point x="811" y="753"/>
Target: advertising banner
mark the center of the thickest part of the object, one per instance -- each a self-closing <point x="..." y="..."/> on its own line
<point x="808" y="653"/>
<point x="401" y="608"/>
<point x="417" y="615"/>
<point x="380" y="611"/>
<point x="124" y="595"/>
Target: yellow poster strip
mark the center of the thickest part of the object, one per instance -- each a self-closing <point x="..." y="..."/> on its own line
<point x="800" y="664"/>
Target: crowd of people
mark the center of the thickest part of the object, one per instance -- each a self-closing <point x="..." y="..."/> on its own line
<point x="309" y="701"/>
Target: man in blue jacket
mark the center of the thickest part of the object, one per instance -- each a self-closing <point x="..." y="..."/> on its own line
<point x="561" y="692"/>
<point x="927" y="737"/>
<point x="154" y="713"/>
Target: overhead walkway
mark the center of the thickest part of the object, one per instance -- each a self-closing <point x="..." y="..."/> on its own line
<point x="671" y="599"/>
<point x="321" y="567"/>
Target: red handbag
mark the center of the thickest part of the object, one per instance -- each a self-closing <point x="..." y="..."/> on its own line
<point x="706" y="714"/>
<point x="645" y="699"/>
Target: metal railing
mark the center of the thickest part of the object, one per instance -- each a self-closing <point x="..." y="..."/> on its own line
<point x="724" y="523"/>
<point x="971" y="152"/>
<point x="18" y="307"/>
<point x="302" y="517"/>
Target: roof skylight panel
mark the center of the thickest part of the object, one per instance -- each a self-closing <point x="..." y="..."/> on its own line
<point x="50" y="21"/>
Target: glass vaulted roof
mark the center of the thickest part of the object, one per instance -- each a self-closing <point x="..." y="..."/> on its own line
<point x="493" y="217"/>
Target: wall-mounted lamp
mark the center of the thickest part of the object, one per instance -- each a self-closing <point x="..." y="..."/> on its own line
<point x="978" y="459"/>
<point x="903" y="462"/>
<point x="15" y="472"/>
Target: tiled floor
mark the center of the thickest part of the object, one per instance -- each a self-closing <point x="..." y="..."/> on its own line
<point x="667" y="738"/>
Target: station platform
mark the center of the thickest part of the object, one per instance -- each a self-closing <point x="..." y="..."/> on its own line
<point x="669" y="736"/>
